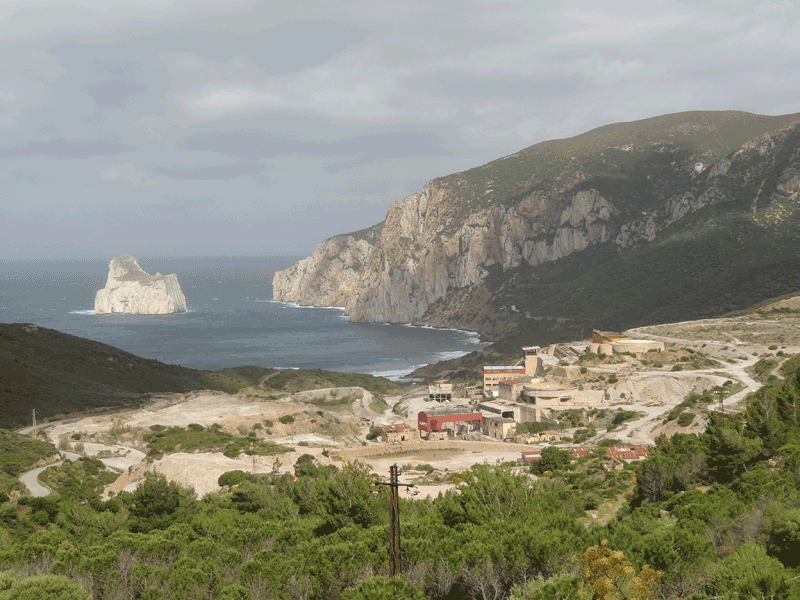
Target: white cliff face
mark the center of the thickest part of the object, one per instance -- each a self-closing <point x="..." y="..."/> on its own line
<point x="413" y="264"/>
<point x="329" y="277"/>
<point x="130" y="290"/>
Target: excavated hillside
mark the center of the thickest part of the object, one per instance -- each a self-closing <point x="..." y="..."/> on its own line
<point x="683" y="216"/>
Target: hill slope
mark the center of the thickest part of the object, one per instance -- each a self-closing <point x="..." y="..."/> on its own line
<point x="676" y="217"/>
<point x="57" y="373"/>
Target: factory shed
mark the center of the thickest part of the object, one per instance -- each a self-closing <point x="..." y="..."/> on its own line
<point x="436" y="420"/>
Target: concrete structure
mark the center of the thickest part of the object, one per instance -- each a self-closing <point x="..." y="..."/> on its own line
<point x="456" y="419"/>
<point x="510" y="389"/>
<point x="637" y="347"/>
<point x="498" y="427"/>
<point x="394" y="434"/>
<point x="440" y="391"/>
<point x="474" y="391"/>
<point x="548" y="394"/>
<point x="551" y="435"/>
<point x="606" y="342"/>
<point x="533" y="362"/>
<point x="497" y="408"/>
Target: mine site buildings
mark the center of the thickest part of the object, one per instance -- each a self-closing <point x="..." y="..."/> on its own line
<point x="531" y="367"/>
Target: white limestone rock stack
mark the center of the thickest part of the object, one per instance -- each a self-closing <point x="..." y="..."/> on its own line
<point x="130" y="290"/>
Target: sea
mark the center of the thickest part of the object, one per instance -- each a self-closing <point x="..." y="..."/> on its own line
<point x="232" y="319"/>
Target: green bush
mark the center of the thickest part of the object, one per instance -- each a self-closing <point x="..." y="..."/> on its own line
<point x="685" y="419"/>
<point x="232" y="478"/>
<point x="286" y="419"/>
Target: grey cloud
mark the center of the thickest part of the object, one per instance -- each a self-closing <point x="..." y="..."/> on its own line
<point x="503" y="87"/>
<point x="62" y="148"/>
<point x="114" y="93"/>
<point x="263" y="144"/>
<point x="225" y="172"/>
<point x="280" y="49"/>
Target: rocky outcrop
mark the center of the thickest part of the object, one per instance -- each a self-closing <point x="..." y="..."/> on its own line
<point x="130" y="290"/>
<point x="440" y="246"/>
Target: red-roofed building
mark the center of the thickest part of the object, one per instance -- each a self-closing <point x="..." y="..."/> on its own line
<point x="437" y="420"/>
<point x="578" y="452"/>
<point x="529" y="457"/>
<point x="397" y="433"/>
<point x="628" y="453"/>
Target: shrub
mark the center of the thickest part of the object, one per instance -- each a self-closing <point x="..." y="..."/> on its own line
<point x="685" y="419"/>
<point x="592" y="501"/>
<point x="286" y="419"/>
<point x="231" y="478"/>
<point x="677" y="368"/>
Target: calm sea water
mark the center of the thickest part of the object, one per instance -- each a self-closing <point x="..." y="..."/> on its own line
<point x="231" y="319"/>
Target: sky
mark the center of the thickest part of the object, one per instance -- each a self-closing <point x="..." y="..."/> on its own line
<point x="238" y="128"/>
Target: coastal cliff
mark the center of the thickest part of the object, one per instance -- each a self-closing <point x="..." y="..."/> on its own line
<point x="458" y="252"/>
<point x="130" y="290"/>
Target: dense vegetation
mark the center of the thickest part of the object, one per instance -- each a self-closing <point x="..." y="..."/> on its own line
<point x="712" y="516"/>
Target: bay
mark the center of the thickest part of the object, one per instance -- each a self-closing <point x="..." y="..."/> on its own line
<point x="231" y="319"/>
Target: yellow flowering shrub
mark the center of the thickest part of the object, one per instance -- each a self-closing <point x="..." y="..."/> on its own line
<point x="611" y="576"/>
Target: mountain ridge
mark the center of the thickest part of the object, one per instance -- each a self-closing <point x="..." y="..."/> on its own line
<point x="457" y="254"/>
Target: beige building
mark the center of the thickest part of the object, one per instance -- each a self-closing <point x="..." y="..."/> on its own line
<point x="498" y="427"/>
<point x="493" y="375"/>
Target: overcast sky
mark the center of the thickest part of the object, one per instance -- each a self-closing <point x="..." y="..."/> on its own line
<point x="212" y="128"/>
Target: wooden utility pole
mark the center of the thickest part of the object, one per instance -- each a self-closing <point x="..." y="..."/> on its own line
<point x="34" y="423"/>
<point x="394" y="518"/>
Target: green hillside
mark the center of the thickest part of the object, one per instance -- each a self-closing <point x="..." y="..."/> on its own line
<point x="615" y="159"/>
<point x="57" y="374"/>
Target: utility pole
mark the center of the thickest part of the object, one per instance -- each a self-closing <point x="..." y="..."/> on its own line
<point x="34" y="423"/>
<point x="394" y="518"/>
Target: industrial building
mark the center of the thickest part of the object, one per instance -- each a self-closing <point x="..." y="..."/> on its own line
<point x="440" y="391"/>
<point x="531" y="367"/>
<point x="456" y="421"/>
